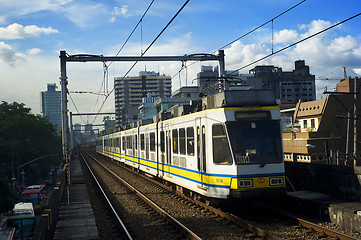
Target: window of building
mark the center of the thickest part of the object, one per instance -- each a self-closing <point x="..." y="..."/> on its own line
<point x="304" y="123"/>
<point x="312" y="123"/>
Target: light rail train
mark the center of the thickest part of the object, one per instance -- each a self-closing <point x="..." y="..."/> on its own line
<point x="230" y="147"/>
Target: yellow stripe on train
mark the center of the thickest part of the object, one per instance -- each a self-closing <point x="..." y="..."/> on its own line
<point x="258" y="182"/>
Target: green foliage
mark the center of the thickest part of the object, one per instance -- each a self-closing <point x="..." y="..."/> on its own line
<point x="7" y="196"/>
<point x="25" y="136"/>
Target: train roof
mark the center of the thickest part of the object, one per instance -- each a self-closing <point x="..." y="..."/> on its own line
<point x="228" y="99"/>
<point x="239" y="98"/>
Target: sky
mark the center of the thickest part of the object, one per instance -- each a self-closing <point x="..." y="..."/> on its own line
<point x="33" y="32"/>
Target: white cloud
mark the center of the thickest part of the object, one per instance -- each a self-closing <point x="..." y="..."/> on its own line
<point x="285" y="36"/>
<point x="9" y="56"/>
<point x="34" y="51"/>
<point x="314" y="27"/>
<point x="24" y="7"/>
<point x="83" y="13"/>
<point x="239" y="54"/>
<point x="17" y="31"/>
<point x="358" y="71"/>
<point x="120" y="11"/>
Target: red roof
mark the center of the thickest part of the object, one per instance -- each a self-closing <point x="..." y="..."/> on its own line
<point x="33" y="189"/>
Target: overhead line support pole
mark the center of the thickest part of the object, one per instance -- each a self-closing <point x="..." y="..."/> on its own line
<point x="100" y="58"/>
<point x="64" y="107"/>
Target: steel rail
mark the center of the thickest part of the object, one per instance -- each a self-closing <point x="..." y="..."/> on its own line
<point x="108" y="201"/>
<point x="187" y="232"/>
<point x="236" y="220"/>
<point x="327" y="231"/>
<point x="308" y="224"/>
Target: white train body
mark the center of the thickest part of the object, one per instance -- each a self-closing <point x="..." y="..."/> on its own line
<point x="222" y="152"/>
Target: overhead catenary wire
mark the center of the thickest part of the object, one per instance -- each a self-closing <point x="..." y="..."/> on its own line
<point x="271" y="20"/>
<point x="295" y="43"/>
<point x="105" y="67"/>
<point x="76" y="108"/>
<point x="253" y="30"/>
<point x="136" y="26"/>
<point x="140" y="57"/>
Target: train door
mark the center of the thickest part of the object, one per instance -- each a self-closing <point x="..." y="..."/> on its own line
<point x="201" y="149"/>
<point x="162" y="151"/>
<point x="147" y="149"/>
<point x="168" y="149"/>
<point x="136" y="150"/>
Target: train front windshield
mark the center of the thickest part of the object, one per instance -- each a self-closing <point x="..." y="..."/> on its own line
<point x="255" y="142"/>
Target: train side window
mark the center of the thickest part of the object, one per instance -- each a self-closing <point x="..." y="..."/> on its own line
<point x="221" y="149"/>
<point x="136" y="142"/>
<point x="117" y="142"/>
<point x="142" y="142"/>
<point x="190" y="141"/>
<point x="129" y="142"/>
<point x="162" y="142"/>
<point x="124" y="143"/>
<point x="152" y="141"/>
<point x="182" y="141"/>
<point x="175" y="140"/>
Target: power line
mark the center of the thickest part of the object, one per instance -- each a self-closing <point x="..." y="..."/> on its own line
<point x="244" y="35"/>
<point x="136" y="26"/>
<point x="293" y="44"/>
<point x="76" y="107"/>
<point x="271" y="20"/>
<point x="140" y="57"/>
<point x="105" y="67"/>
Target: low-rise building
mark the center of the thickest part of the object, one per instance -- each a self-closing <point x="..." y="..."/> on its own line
<point x="325" y="133"/>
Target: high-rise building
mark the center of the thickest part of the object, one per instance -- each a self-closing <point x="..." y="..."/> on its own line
<point x="289" y="86"/>
<point x="129" y="92"/>
<point x="51" y="105"/>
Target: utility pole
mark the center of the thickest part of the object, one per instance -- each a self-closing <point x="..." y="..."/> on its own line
<point x="352" y="115"/>
<point x="355" y="125"/>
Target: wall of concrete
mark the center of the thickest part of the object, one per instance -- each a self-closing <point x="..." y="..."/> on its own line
<point x="342" y="182"/>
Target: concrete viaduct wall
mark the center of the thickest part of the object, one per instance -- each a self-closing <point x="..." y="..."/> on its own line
<point x="343" y="182"/>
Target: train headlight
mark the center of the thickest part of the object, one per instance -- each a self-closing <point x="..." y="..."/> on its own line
<point x="243" y="183"/>
<point x="276" y="181"/>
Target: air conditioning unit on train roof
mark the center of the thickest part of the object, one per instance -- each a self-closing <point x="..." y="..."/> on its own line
<point x="239" y="98"/>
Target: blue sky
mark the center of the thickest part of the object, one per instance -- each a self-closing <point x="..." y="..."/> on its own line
<point x="32" y="33"/>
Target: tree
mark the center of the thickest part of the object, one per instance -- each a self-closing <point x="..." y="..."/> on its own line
<point x="8" y="197"/>
<point x="25" y="136"/>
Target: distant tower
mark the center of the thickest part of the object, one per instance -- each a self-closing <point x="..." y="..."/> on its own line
<point x="51" y="105"/>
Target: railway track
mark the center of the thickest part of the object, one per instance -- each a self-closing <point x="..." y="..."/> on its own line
<point x="159" y="223"/>
<point x="115" y="226"/>
<point x="237" y="228"/>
